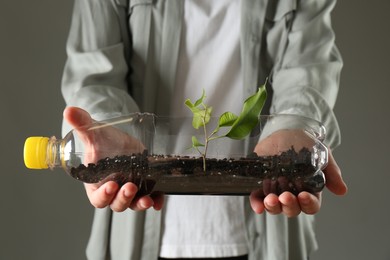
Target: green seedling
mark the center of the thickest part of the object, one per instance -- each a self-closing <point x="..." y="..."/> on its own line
<point x="238" y="126"/>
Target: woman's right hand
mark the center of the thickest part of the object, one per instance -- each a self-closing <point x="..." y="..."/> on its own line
<point x="118" y="198"/>
<point x="121" y="198"/>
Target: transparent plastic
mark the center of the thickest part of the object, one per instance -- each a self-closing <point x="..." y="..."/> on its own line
<point x="283" y="153"/>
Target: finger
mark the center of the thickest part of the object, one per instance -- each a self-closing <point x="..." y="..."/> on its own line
<point x="80" y="120"/>
<point x="334" y="180"/>
<point x="309" y="203"/>
<point x="256" y="201"/>
<point x="142" y="203"/>
<point x="124" y="197"/>
<point x="77" y="117"/>
<point x="289" y="204"/>
<point x="272" y="204"/>
<point x="158" y="200"/>
<point x="102" y="196"/>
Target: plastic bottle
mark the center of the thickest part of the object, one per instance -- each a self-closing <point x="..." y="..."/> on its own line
<point x="136" y="148"/>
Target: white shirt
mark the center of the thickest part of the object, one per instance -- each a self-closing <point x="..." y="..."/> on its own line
<point x="209" y="58"/>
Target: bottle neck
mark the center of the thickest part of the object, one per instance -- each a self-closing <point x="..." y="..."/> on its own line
<point x="55" y="153"/>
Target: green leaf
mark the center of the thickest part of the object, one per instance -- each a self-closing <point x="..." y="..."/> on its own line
<point x="200" y="100"/>
<point x="227" y="119"/>
<point x="249" y="116"/>
<point x="201" y="117"/>
<point x="195" y="142"/>
<point x="191" y="106"/>
<point x="207" y="115"/>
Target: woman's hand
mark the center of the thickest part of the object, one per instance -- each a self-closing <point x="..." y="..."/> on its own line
<point x="118" y="198"/>
<point x="121" y="198"/>
<point x="287" y="203"/>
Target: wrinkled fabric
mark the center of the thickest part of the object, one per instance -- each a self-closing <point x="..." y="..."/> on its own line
<point x="122" y="58"/>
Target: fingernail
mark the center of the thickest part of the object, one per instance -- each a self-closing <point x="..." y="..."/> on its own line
<point x="145" y="204"/>
<point x="109" y="190"/>
<point x="270" y="203"/>
<point x="127" y="193"/>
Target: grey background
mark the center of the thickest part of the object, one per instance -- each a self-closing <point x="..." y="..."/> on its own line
<point x="45" y="215"/>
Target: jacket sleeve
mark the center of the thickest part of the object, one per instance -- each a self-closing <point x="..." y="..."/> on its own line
<point x="305" y="77"/>
<point x="95" y="74"/>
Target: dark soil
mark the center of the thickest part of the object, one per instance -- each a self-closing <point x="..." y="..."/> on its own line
<point x="290" y="171"/>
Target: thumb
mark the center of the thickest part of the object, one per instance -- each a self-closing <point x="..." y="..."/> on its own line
<point x="334" y="180"/>
<point x="80" y="120"/>
<point x="77" y="117"/>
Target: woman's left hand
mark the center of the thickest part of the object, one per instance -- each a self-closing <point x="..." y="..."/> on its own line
<point x="288" y="203"/>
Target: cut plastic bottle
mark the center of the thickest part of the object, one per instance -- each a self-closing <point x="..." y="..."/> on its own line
<point x="155" y="154"/>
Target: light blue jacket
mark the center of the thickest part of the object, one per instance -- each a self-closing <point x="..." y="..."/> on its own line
<point x="117" y="47"/>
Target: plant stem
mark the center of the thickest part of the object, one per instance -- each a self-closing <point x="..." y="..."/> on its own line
<point x="207" y="139"/>
<point x="206" y="143"/>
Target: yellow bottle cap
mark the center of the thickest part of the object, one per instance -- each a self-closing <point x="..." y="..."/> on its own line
<point x="35" y="149"/>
